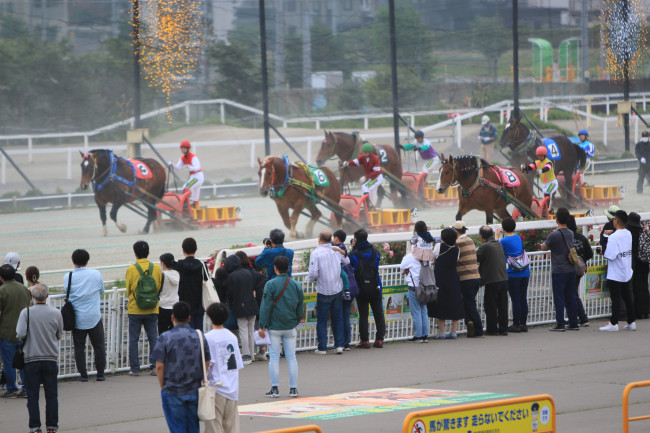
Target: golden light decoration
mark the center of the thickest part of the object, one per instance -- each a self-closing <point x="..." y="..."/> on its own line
<point x="172" y="41"/>
<point x="623" y="35"/>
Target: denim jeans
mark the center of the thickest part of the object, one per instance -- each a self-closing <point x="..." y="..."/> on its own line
<point x="518" y="290"/>
<point x="7" y="350"/>
<point x="136" y="322"/>
<point x="564" y="294"/>
<point x="469" y="289"/>
<point x="329" y="306"/>
<point x="347" y="330"/>
<point x="96" y="335"/>
<point x="419" y="315"/>
<point x="283" y="338"/>
<point x="181" y="412"/>
<point x="196" y="319"/>
<point x="37" y="373"/>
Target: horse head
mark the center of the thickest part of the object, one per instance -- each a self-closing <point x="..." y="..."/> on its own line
<point x="266" y="174"/>
<point x="447" y="175"/>
<point x="327" y="148"/>
<point x="514" y="133"/>
<point x="88" y="169"/>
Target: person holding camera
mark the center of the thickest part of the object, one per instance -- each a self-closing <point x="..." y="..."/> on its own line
<point x="273" y="247"/>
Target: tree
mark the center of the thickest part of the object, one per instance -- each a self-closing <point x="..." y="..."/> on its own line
<point x="491" y="39"/>
<point x="379" y="89"/>
<point x="239" y="75"/>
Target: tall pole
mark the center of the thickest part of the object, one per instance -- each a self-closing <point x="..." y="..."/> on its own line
<point x="585" y="46"/>
<point x="136" y="64"/>
<point x="306" y="44"/>
<point x="393" y="68"/>
<point x="279" y="46"/>
<point x="626" y="80"/>
<point x="515" y="57"/>
<point x="265" y="80"/>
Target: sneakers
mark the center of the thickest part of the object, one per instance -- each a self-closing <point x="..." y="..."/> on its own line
<point x="514" y="328"/>
<point x="424" y="340"/>
<point x="339" y="351"/>
<point x="85" y="378"/>
<point x="414" y="339"/>
<point x="131" y="373"/>
<point x="584" y="323"/>
<point x="9" y="394"/>
<point x="103" y="378"/>
<point x="260" y="356"/>
<point x="557" y="328"/>
<point x="273" y="392"/>
<point x="346" y="347"/>
<point x="378" y="344"/>
<point x="609" y="328"/>
<point x="471" y="332"/>
<point x="21" y="393"/>
<point x="575" y="327"/>
<point x="442" y="336"/>
<point x="451" y="336"/>
<point x="293" y="392"/>
<point x="247" y="360"/>
<point x="51" y="430"/>
<point x="363" y="345"/>
<point x="152" y="372"/>
<point x="320" y="352"/>
<point x="630" y="327"/>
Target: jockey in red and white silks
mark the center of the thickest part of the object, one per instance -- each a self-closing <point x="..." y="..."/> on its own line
<point x="191" y="161"/>
<point x="372" y="167"/>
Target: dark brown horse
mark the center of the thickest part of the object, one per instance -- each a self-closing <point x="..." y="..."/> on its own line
<point x="114" y="181"/>
<point x="479" y="182"/>
<point x="347" y="147"/>
<point x="522" y="143"/>
<point x="292" y="188"/>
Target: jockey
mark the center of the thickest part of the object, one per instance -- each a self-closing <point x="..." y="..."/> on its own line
<point x="191" y="161"/>
<point x="370" y="163"/>
<point x="427" y="153"/>
<point x="544" y="168"/>
<point x="589" y="149"/>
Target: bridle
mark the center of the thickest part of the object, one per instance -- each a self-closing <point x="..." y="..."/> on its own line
<point x="269" y="165"/>
<point x="526" y="144"/>
<point x="332" y="151"/>
<point x="95" y="176"/>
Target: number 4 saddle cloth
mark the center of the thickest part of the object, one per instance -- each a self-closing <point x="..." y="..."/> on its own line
<point x="141" y="169"/>
<point x="507" y="177"/>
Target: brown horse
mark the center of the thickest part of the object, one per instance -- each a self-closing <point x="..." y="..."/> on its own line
<point x="522" y="143"/>
<point x="114" y="181"/>
<point x="347" y="147"/>
<point x="479" y="182"/>
<point x="292" y="188"/>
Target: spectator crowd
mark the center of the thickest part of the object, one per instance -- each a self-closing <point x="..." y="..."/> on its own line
<point x="259" y="312"/>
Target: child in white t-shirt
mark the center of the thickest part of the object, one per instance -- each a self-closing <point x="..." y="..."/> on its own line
<point x="224" y="369"/>
<point x="422" y="242"/>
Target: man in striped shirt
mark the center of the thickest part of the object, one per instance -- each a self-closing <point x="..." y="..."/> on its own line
<point x="470" y="280"/>
<point x="325" y="269"/>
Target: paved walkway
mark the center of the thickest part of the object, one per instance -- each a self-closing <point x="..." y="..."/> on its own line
<point x="585" y="372"/>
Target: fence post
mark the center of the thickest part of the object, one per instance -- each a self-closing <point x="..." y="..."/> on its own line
<point x="605" y="131"/>
<point x="69" y="200"/>
<point x="4" y="170"/>
<point x="252" y="154"/>
<point x="86" y="141"/>
<point x="30" y="142"/>
<point x="500" y="116"/>
<point x="115" y="338"/>
<point x="317" y="123"/>
<point x="607" y="105"/>
<point x="644" y="102"/>
<point x="458" y="130"/>
<point x="541" y="109"/>
<point x="413" y="120"/>
<point x="636" y="128"/>
<point x="69" y="163"/>
<point x="187" y="113"/>
<point x="365" y="123"/>
<point x="308" y="151"/>
<point x="223" y="114"/>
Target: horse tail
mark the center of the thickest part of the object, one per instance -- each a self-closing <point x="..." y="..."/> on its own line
<point x="581" y="157"/>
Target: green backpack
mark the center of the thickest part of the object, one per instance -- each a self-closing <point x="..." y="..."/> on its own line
<point x="146" y="291"/>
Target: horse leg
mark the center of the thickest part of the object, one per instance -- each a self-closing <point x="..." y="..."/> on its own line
<point x="284" y="214"/>
<point x="151" y="216"/>
<point x="114" y="209"/>
<point x="380" y="196"/>
<point x="489" y="216"/>
<point x="502" y="213"/>
<point x="315" y="216"/>
<point x="297" y="209"/>
<point x="102" y="217"/>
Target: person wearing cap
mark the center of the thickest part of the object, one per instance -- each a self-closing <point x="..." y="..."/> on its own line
<point x="642" y="152"/>
<point x="608" y="228"/>
<point x="13" y="259"/>
<point x="619" y="273"/>
<point x="640" y="269"/>
<point x="544" y="168"/>
<point x="487" y="136"/>
<point x="371" y="165"/>
<point x="427" y="153"/>
<point x="470" y="280"/>
<point x="191" y="161"/>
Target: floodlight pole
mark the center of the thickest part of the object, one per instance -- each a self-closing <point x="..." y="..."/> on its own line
<point x="626" y="79"/>
<point x="393" y="67"/>
<point x="265" y="81"/>
<point x="136" y="64"/>
<point x="515" y="58"/>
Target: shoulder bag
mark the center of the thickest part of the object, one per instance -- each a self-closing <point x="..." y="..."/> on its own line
<point x="18" y="361"/>
<point x="67" y="311"/>
<point x="426" y="290"/>
<point x="209" y="292"/>
<point x="574" y="258"/>
<point x="207" y="394"/>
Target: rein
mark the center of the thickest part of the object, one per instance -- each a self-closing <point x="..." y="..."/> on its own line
<point x="111" y="174"/>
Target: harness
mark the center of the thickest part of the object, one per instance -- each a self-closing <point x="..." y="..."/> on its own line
<point x="355" y="148"/>
<point x="523" y="148"/>
<point x="290" y="181"/>
<point x="112" y="174"/>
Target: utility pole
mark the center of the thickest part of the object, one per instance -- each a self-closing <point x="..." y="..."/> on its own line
<point x="43" y="20"/>
<point x="136" y="64"/>
<point x="515" y="57"/>
<point x="585" y="45"/>
<point x="393" y="68"/>
<point x="279" y="45"/>
<point x="626" y="79"/>
<point x="306" y="44"/>
<point x="265" y="79"/>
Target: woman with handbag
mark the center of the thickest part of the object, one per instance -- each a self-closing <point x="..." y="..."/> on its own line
<point x="583" y="248"/>
<point x="518" y="273"/>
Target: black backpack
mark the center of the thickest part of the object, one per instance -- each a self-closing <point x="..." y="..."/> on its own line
<point x="367" y="274"/>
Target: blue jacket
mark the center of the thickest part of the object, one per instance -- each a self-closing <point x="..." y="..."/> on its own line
<point x="267" y="256"/>
<point x="349" y="275"/>
<point x="364" y="250"/>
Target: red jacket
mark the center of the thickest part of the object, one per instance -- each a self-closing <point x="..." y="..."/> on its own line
<point x="371" y="165"/>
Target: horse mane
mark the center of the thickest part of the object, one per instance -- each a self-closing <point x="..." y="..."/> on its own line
<point x="467" y="165"/>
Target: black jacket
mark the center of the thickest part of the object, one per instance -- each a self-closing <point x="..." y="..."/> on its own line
<point x="582" y="246"/>
<point x="642" y="150"/>
<point x="609" y="225"/>
<point x="190" y="284"/>
<point x="240" y="287"/>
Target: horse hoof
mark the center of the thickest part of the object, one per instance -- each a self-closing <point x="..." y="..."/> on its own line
<point x="143" y="232"/>
<point x="122" y="227"/>
<point x="104" y="232"/>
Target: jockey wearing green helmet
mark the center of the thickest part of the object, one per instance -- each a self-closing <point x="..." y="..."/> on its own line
<point x="372" y="167"/>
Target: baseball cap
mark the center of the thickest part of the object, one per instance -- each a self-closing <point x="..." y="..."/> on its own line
<point x="611" y="211"/>
<point x="459" y="225"/>
<point x="12" y="259"/>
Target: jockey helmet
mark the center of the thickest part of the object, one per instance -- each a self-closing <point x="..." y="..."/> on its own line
<point x="583" y="132"/>
<point x="419" y="134"/>
<point x="367" y="147"/>
<point x="541" y="151"/>
<point x="485" y="119"/>
<point x="186" y="143"/>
